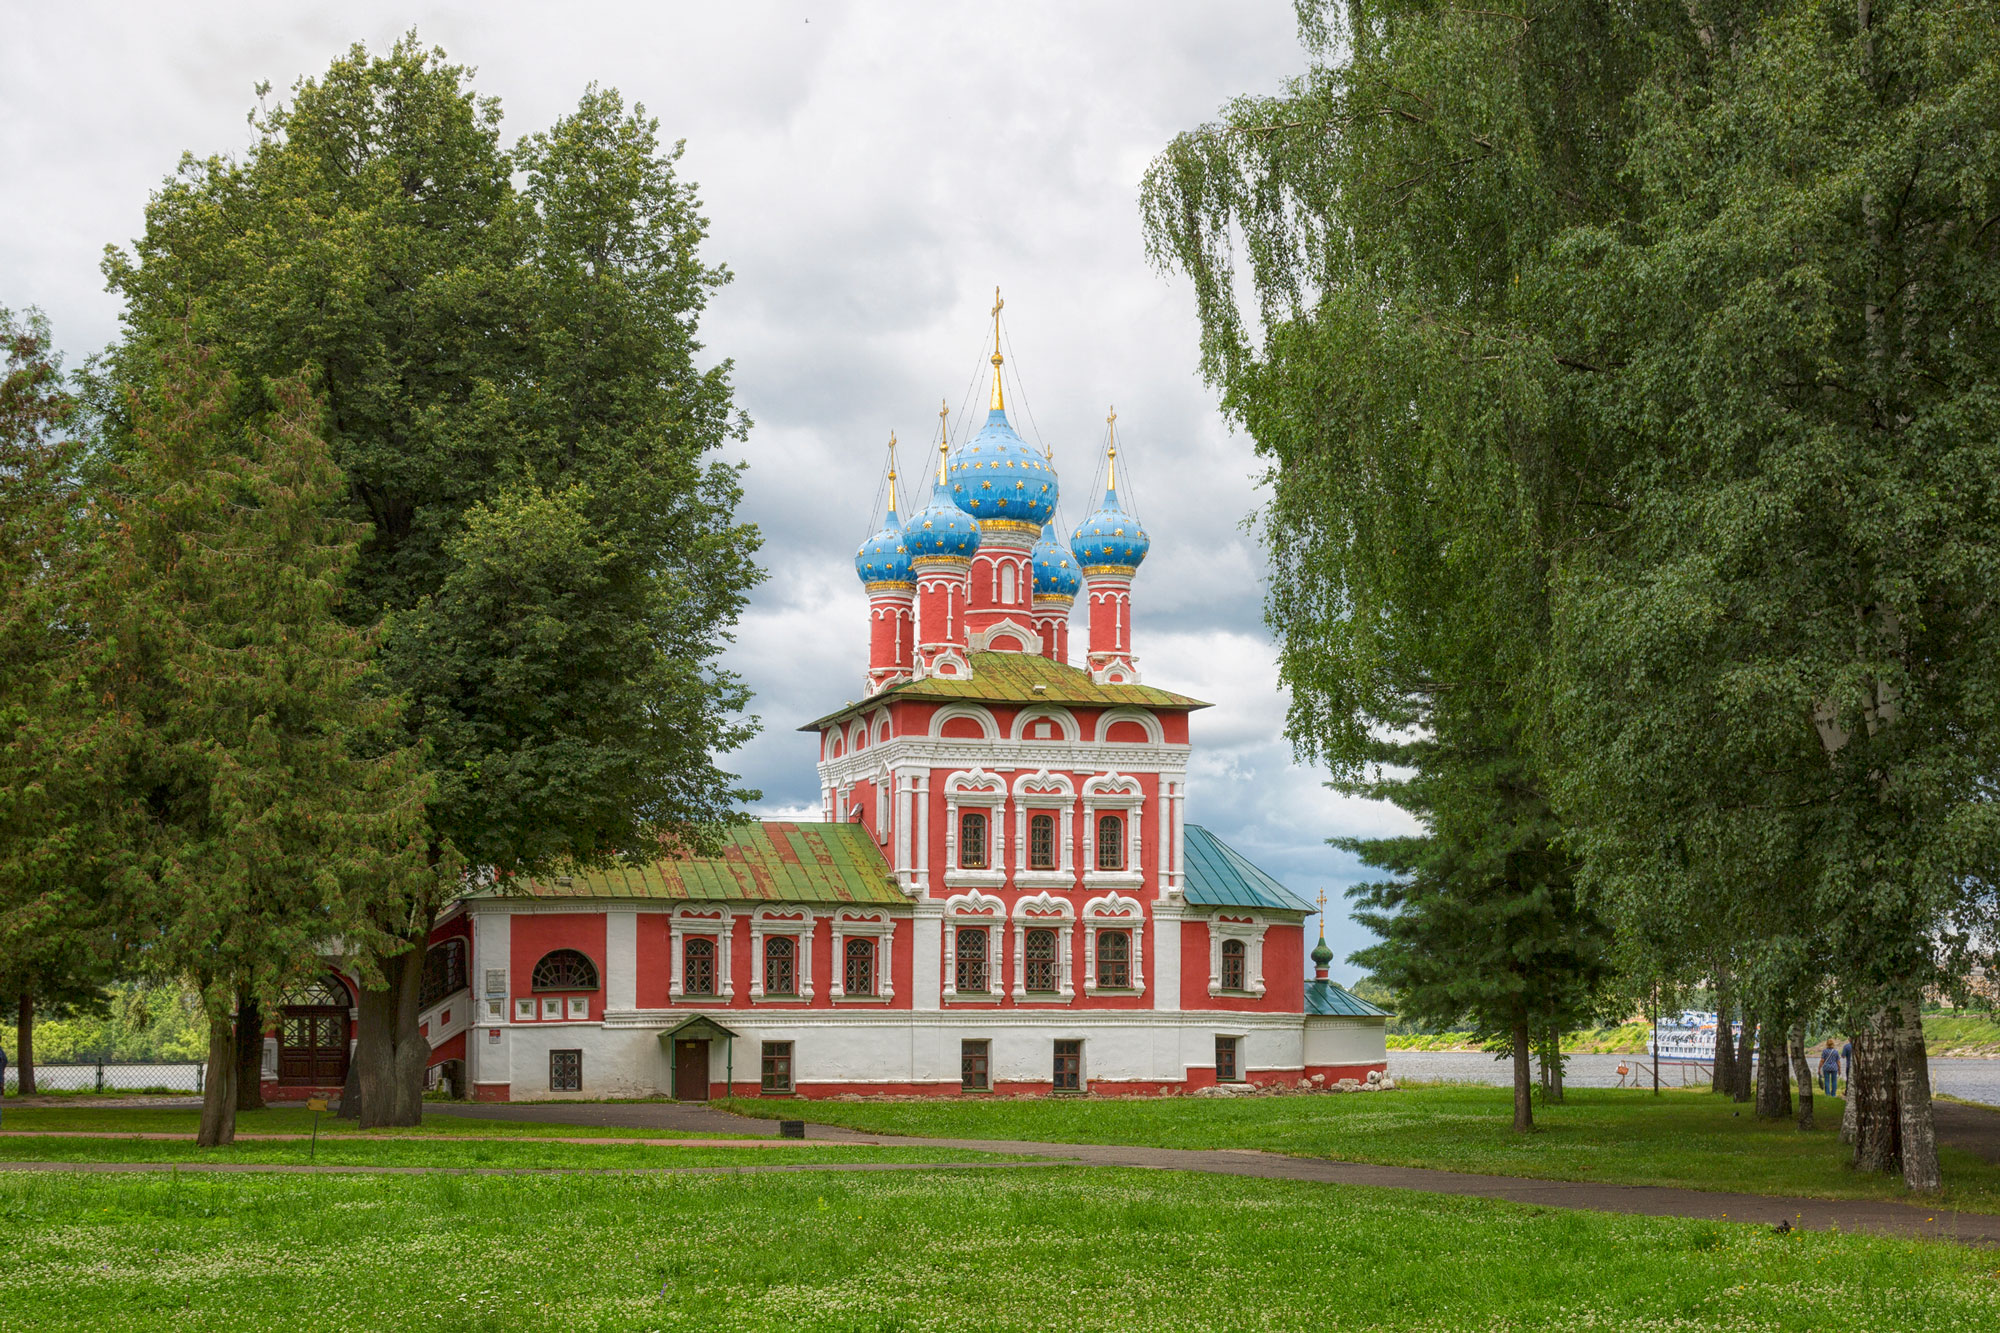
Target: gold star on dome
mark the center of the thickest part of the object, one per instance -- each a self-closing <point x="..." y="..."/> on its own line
<point x="985" y="485"/>
<point x="1019" y="485"/>
<point x="927" y="524"/>
<point x="1118" y="532"/>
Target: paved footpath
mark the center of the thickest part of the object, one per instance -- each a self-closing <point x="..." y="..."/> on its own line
<point x="1972" y="1127"/>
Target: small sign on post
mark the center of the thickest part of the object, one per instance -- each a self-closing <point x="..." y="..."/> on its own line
<point x="315" y="1105"/>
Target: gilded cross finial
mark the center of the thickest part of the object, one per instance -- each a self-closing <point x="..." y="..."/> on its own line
<point x="1111" y="450"/>
<point x="999" y="401"/>
<point x="944" y="434"/>
<point x="892" y="471"/>
<point x="1322" y="902"/>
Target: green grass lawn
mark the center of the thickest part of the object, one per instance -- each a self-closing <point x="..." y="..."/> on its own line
<point x="1030" y="1249"/>
<point x="1692" y="1139"/>
<point x="355" y="1151"/>
<point x="166" y="1120"/>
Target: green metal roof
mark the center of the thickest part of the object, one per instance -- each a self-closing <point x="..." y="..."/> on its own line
<point x="1219" y="876"/>
<point x="1326" y="997"/>
<point x="1012" y="678"/>
<point x="767" y="862"/>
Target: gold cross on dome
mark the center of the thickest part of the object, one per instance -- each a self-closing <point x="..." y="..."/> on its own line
<point x="1322" y="902"/>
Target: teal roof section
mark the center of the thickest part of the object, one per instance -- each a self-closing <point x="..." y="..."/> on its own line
<point x="1332" y="1000"/>
<point x="1219" y="876"/>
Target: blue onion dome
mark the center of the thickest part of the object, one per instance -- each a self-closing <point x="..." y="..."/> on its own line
<point x="1110" y="539"/>
<point x="941" y="528"/>
<point x="998" y="478"/>
<point x="1056" y="574"/>
<point x="884" y="560"/>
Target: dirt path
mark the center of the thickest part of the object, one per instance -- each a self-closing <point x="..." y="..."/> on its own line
<point x="302" y="1168"/>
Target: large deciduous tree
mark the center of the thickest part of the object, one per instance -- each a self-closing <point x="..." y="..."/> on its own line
<point x="506" y="344"/>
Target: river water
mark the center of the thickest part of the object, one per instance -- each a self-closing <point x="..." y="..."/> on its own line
<point x="1974" y="1080"/>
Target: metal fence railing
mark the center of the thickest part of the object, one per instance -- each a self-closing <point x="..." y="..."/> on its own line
<point x="110" y="1077"/>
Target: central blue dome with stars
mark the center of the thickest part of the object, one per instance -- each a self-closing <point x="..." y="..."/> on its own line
<point x="941" y="528"/>
<point x="1056" y="574"/>
<point x="998" y="477"/>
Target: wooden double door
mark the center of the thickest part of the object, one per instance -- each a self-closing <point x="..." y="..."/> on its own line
<point x="690" y="1070"/>
<point x="312" y="1046"/>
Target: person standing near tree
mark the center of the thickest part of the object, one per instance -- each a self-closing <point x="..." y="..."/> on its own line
<point x="1829" y="1068"/>
<point x="1847" y="1061"/>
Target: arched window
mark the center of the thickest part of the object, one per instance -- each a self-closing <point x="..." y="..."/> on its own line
<point x="1041" y="842"/>
<point x="1039" y="955"/>
<point x="781" y="965"/>
<point x="1114" y="959"/>
<point x="444" y="972"/>
<point x="698" y="967"/>
<point x="1111" y="842"/>
<point x="972" y="840"/>
<point x="857" y="976"/>
<point x="1007" y="582"/>
<point x="323" y="992"/>
<point x="1234" y="957"/>
<point x="565" y="969"/>
<point x="971" y="950"/>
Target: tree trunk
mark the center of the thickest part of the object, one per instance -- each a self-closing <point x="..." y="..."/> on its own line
<point x="1802" y="1071"/>
<point x="1745" y="1062"/>
<point x="1913" y="1099"/>
<point x="24" y="1044"/>
<point x="1872" y="1092"/>
<point x="218" y="1098"/>
<point x="1774" y="1078"/>
<point x="249" y="1054"/>
<point x="1556" y="1055"/>
<point x="391" y="1053"/>
<point x="350" y="1091"/>
<point x="1524" y="1102"/>
<point x="1850" y="1113"/>
<point x="1723" y="1077"/>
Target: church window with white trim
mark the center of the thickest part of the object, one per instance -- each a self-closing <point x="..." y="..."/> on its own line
<point x="972" y="840"/>
<point x="1110" y="842"/>
<point x="1041" y="976"/>
<point x="1235" y="961"/>
<point x="970" y="951"/>
<point x="698" y="967"/>
<point x="781" y="965"/>
<point x="1114" y="960"/>
<point x="1041" y="842"/>
<point x="858" y="967"/>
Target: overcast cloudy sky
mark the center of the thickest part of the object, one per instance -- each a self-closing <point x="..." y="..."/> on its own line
<point x="872" y="172"/>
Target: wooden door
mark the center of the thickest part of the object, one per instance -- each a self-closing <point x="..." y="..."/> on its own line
<point x="691" y="1071"/>
<point x="312" y="1046"/>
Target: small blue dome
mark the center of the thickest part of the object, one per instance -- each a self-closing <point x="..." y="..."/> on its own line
<point x="1056" y="574"/>
<point x="885" y="557"/>
<point x="997" y="476"/>
<point x="941" y="527"/>
<point x="1110" y="538"/>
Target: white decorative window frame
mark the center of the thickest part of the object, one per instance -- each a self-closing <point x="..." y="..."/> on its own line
<point x="1148" y="722"/>
<point x="721" y="925"/>
<point x="1119" y="793"/>
<point x="1044" y="910"/>
<point x="989" y="728"/>
<point x="1114" y="911"/>
<point x="1043" y="792"/>
<point x="1067" y="728"/>
<point x="1251" y="931"/>
<point x="973" y="909"/>
<point x="969" y="791"/>
<point x="980" y="641"/>
<point x="878" y="926"/>
<point x="778" y="921"/>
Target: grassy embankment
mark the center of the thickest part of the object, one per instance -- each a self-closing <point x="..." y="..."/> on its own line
<point x="1000" y="1250"/>
<point x="1689" y="1139"/>
<point x="1947" y="1034"/>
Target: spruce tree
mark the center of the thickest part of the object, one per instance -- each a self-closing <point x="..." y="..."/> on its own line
<point x="281" y="808"/>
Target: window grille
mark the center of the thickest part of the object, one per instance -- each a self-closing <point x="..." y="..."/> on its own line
<point x="971" y="941"/>
<point x="1114" y="959"/>
<point x="858" y="967"/>
<point x="781" y="965"/>
<point x="1039" y="956"/>
<point x="777" y="1066"/>
<point x="1111" y="843"/>
<point x="444" y="972"/>
<point x="1069" y="1066"/>
<point x="1041" y="842"/>
<point x="1225" y="1060"/>
<point x="324" y="992"/>
<point x="975" y="1069"/>
<point x="698" y="967"/>
<point x="565" y="1071"/>
<point x="564" y="969"/>
<point x="972" y="841"/>
<point x="1234" y="971"/>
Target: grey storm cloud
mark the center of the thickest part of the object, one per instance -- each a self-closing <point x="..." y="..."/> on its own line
<point x="871" y="172"/>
